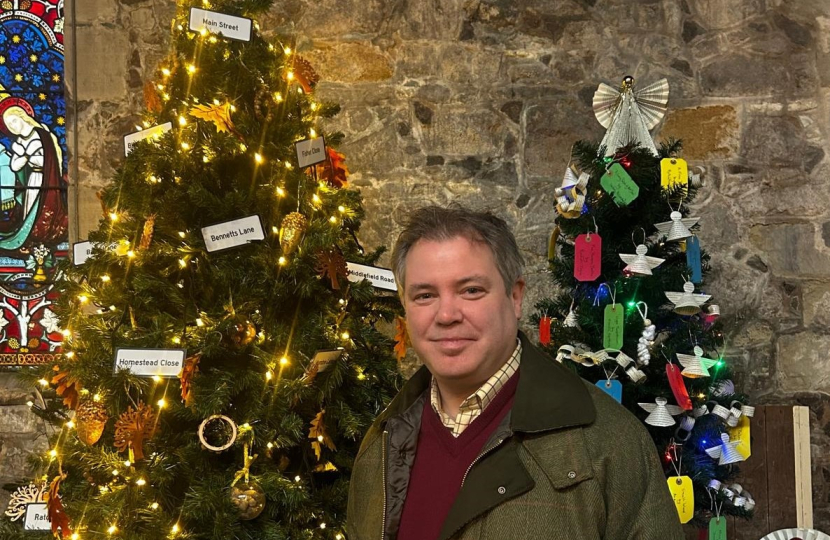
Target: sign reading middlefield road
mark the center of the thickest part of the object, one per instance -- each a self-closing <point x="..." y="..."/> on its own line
<point x="231" y="27"/>
<point x="150" y="362"/>
<point x="381" y="278"/>
<point x="233" y="233"/>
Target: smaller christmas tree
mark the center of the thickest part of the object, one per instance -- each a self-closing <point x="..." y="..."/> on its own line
<point x="631" y="315"/>
<point x="219" y="368"/>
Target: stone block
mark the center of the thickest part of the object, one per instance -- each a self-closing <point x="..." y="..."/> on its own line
<point x="13" y="391"/>
<point x="87" y="213"/>
<point x="102" y="70"/>
<point x="706" y="132"/>
<point x="790" y="249"/>
<point x="816" y="297"/>
<point x="95" y="11"/>
<point x="737" y="74"/>
<point x="462" y="130"/>
<point x="779" y="141"/>
<point x="552" y="128"/>
<point x="803" y="359"/>
<point x="462" y="64"/>
<point x="17" y="420"/>
<point x="350" y="62"/>
<point x="725" y="13"/>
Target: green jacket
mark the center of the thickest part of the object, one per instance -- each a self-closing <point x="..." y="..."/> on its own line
<point x="568" y="462"/>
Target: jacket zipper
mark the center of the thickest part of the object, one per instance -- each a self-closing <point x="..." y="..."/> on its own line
<point x="383" y="477"/>
<point x="481" y="455"/>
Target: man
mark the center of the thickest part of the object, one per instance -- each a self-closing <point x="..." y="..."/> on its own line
<point x="491" y="439"/>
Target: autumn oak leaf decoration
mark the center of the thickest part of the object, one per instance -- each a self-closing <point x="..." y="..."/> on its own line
<point x="220" y="115"/>
<point x="54" y="509"/>
<point x="319" y="435"/>
<point x="333" y="170"/>
<point x="189" y="370"/>
<point x="401" y="338"/>
<point x="133" y="428"/>
<point x="69" y="387"/>
<point x="304" y="73"/>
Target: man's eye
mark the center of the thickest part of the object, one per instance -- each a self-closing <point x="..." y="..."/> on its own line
<point x="423" y="296"/>
<point x="473" y="290"/>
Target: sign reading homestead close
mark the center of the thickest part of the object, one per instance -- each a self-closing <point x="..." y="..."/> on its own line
<point x="150" y="362"/>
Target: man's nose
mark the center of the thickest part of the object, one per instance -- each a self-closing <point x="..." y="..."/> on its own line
<point x="449" y="311"/>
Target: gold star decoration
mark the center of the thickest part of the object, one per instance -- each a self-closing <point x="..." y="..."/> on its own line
<point x="18" y="77"/>
<point x="41" y="96"/>
<point x="15" y="39"/>
<point x="33" y="58"/>
<point x="61" y="120"/>
<point x="2" y="60"/>
<point x="56" y="78"/>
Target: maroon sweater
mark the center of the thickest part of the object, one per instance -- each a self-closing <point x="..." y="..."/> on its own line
<point x="440" y="463"/>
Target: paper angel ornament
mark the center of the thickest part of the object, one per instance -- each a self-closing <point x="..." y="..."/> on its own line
<point x="678" y="228"/>
<point x="726" y="452"/>
<point x="696" y="366"/>
<point x="571" y="320"/>
<point x="687" y="303"/>
<point x="660" y="412"/>
<point x="641" y="264"/>
<point x="570" y="198"/>
<point x="629" y="114"/>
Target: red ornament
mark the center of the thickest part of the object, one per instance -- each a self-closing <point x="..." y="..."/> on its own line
<point x="544" y="330"/>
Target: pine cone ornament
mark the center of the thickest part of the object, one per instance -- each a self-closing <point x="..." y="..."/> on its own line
<point x="91" y="418"/>
<point x="293" y="227"/>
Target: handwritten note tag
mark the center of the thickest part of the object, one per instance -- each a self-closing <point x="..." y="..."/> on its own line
<point x="587" y="257"/>
<point x="693" y="259"/>
<point x="678" y="387"/>
<point x="673" y="172"/>
<point x="717" y="528"/>
<point x="683" y="495"/>
<point x="741" y="433"/>
<point x="310" y="151"/>
<point x="611" y="387"/>
<point x="612" y="335"/>
<point x="232" y="233"/>
<point x="37" y="518"/>
<point x="619" y="185"/>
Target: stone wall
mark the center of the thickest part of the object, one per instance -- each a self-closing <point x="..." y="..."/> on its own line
<point x="479" y="102"/>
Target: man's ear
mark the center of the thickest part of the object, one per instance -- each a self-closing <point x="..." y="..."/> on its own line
<point x="517" y="295"/>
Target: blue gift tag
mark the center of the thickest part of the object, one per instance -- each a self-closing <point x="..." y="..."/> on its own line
<point x="693" y="258"/>
<point x="613" y="388"/>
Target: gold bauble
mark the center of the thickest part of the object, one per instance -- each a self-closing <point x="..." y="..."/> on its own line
<point x="291" y="231"/>
<point x="249" y="499"/>
<point x="90" y="419"/>
<point x="243" y="333"/>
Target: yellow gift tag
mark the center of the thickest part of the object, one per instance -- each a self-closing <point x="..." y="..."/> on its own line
<point x="673" y="171"/>
<point x="741" y="433"/>
<point x="683" y="495"/>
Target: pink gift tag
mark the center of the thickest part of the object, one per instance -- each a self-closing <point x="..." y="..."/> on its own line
<point x="587" y="257"/>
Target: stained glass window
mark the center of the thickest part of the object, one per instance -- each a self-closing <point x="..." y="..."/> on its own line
<point x="33" y="181"/>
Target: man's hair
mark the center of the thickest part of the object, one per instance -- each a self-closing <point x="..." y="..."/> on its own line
<point x="440" y="223"/>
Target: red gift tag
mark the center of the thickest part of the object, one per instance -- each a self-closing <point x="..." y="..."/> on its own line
<point x="587" y="257"/>
<point x="544" y="330"/>
<point x="678" y="387"/>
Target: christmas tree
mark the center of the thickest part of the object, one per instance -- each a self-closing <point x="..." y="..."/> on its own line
<point x="632" y="315"/>
<point x="218" y="367"/>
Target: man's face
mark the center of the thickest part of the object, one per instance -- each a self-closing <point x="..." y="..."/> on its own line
<point x="461" y="322"/>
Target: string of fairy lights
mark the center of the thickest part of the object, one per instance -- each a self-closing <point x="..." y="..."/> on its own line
<point x="124" y="473"/>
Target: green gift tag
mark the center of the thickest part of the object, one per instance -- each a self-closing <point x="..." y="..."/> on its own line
<point x="612" y="335"/>
<point x="717" y="528"/>
<point x="619" y="185"/>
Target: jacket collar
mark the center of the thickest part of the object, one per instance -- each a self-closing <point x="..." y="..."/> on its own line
<point x="549" y="395"/>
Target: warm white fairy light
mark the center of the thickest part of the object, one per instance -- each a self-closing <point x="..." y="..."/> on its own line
<point x="283" y="361"/>
<point x="191" y="69"/>
<point x="280" y="191"/>
<point x="140" y="482"/>
<point x="182" y="121"/>
<point x="43" y="382"/>
<point x="105" y="278"/>
<point x="162" y="403"/>
<point x="258" y="158"/>
<point x="282" y="261"/>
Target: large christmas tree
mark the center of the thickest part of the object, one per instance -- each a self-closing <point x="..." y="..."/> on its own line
<point x="215" y="383"/>
<point x="632" y="314"/>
